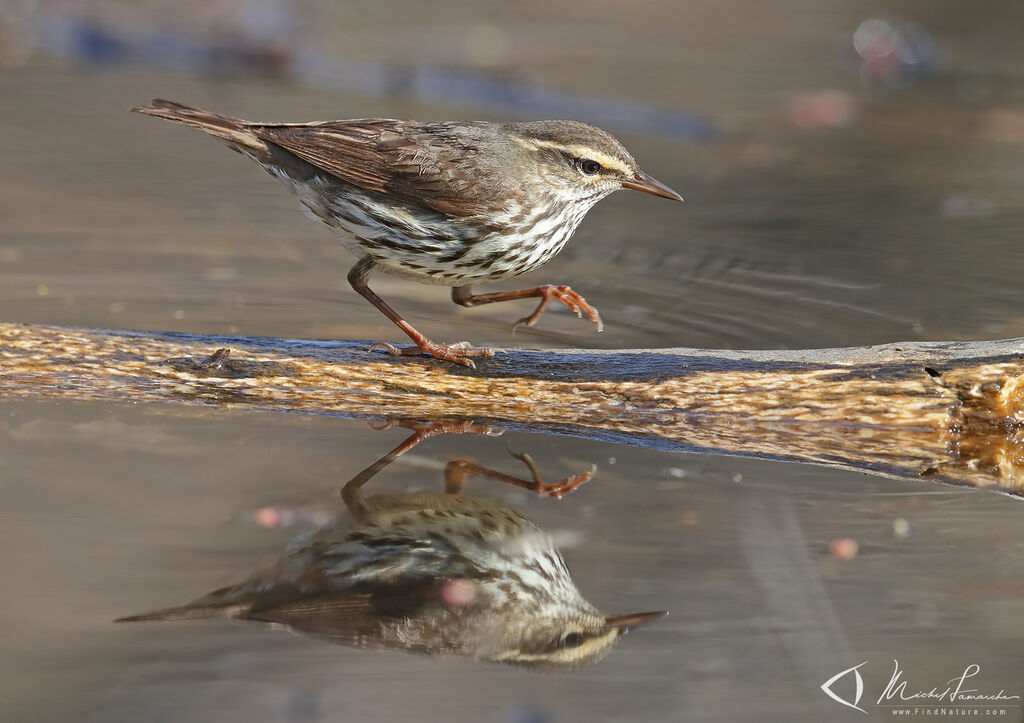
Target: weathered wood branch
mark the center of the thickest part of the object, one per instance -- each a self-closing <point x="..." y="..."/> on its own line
<point x="951" y="410"/>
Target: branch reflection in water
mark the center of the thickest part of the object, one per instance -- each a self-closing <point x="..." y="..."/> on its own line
<point x="429" y="572"/>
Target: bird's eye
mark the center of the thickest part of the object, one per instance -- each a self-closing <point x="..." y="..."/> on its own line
<point x="589" y="167"/>
<point x="572" y="640"/>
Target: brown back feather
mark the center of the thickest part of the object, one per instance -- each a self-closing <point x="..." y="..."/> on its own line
<point x="453" y="168"/>
<point x="414" y="162"/>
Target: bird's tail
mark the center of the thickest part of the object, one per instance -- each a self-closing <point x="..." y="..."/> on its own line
<point x="228" y="602"/>
<point x="234" y="131"/>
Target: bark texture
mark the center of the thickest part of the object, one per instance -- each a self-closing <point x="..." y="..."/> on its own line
<point x="950" y="410"/>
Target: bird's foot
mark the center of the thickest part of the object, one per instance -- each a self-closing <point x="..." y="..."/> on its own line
<point x="556" y="489"/>
<point x="442" y="426"/>
<point x="458" y="353"/>
<point x="568" y="297"/>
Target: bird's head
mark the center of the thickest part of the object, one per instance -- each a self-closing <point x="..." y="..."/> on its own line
<point x="583" y="162"/>
<point x="566" y="642"/>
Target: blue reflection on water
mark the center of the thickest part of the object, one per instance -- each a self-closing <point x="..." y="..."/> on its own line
<point x="88" y="41"/>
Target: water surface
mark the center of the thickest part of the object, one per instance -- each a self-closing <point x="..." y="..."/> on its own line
<point x="902" y="222"/>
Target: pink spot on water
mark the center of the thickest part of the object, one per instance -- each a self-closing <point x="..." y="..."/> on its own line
<point x="267" y="517"/>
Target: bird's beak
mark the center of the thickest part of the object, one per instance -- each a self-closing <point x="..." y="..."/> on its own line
<point x="625" y="623"/>
<point x="643" y="182"/>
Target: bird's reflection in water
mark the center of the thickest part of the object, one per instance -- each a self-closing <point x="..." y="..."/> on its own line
<point x="434" y="573"/>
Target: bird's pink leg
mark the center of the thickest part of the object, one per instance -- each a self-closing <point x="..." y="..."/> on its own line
<point x="464" y="296"/>
<point x="458" y="353"/>
<point x="352" y="494"/>
<point x="456" y="472"/>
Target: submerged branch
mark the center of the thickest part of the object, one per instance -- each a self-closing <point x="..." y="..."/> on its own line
<point x="951" y="410"/>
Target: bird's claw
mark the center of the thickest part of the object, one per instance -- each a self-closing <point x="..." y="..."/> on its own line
<point x="567" y="296"/>
<point x="556" y="490"/>
<point x="443" y="426"/>
<point x="457" y="353"/>
<point x="565" y="486"/>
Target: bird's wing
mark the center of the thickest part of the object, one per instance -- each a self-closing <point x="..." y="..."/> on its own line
<point x="368" y="618"/>
<point x="420" y="163"/>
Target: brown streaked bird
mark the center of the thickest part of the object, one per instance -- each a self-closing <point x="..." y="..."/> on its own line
<point x="432" y="573"/>
<point x="454" y="203"/>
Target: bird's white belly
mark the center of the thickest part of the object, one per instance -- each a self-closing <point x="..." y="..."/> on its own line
<point x="430" y="247"/>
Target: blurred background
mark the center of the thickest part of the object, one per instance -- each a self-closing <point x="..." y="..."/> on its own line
<point x="853" y="174"/>
<point x="853" y="170"/>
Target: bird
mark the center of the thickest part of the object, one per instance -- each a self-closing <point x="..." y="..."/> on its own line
<point x="443" y="574"/>
<point x="449" y="203"/>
